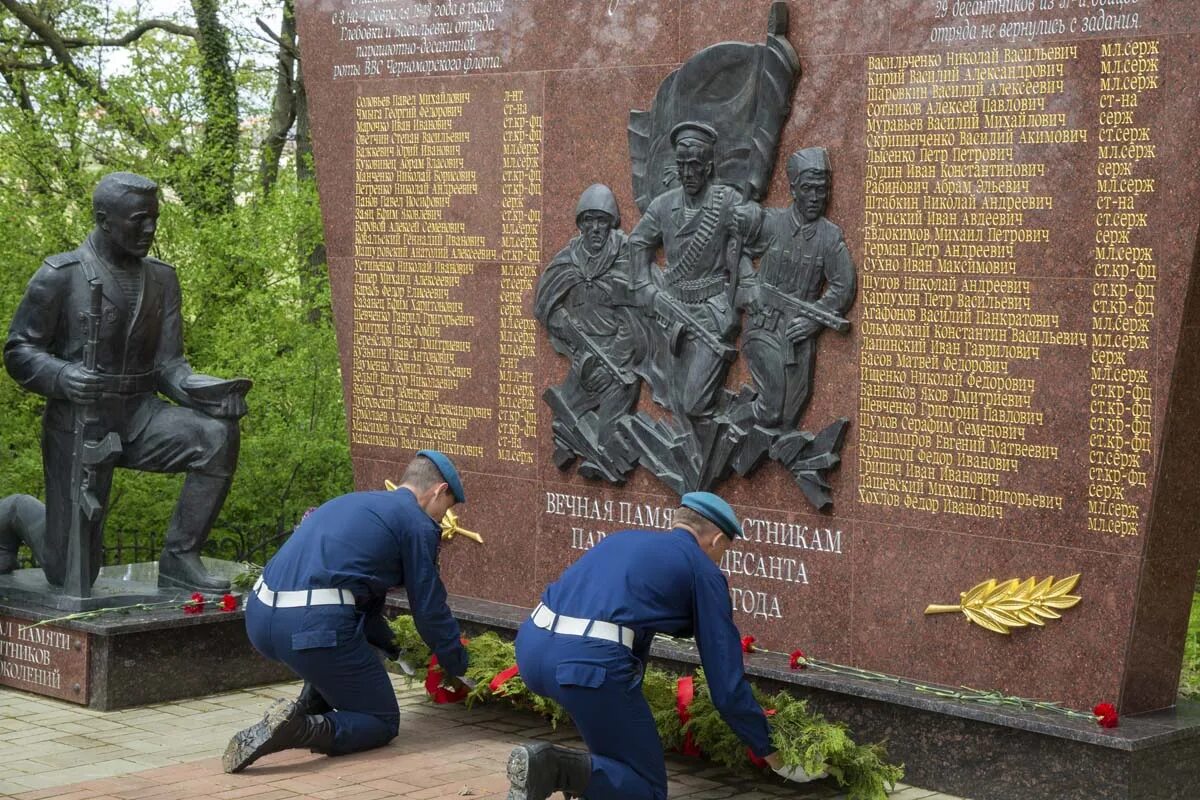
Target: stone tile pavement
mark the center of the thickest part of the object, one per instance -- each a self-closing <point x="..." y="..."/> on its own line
<point x="51" y="749"/>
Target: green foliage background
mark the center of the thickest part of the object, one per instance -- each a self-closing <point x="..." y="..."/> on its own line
<point x="1189" y="679"/>
<point x="254" y="304"/>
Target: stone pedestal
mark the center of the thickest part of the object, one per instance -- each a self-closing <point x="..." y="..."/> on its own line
<point x="124" y="658"/>
<point x="966" y="749"/>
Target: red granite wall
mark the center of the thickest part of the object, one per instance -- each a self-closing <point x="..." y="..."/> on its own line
<point x="1047" y="428"/>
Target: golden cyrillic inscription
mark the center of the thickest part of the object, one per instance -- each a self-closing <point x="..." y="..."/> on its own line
<point x="957" y="212"/>
<point x="411" y="314"/>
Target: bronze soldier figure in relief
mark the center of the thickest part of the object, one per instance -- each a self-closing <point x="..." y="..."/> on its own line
<point x="575" y="301"/>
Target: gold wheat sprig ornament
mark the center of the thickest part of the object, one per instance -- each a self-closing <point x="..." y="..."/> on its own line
<point x="1000" y="607"/>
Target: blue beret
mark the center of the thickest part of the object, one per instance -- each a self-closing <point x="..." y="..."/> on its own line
<point x="449" y="473"/>
<point x="715" y="510"/>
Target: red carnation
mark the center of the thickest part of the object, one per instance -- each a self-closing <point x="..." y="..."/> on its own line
<point x="195" y="605"/>
<point x="229" y="603"/>
<point x="1106" y="715"/>
<point x="747" y="644"/>
<point x="798" y="660"/>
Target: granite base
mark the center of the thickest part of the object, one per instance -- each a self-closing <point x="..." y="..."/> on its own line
<point x="979" y="751"/>
<point x="132" y="658"/>
<point x="115" y="586"/>
<point x="29" y="586"/>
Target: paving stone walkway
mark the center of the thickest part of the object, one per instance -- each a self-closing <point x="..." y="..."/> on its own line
<point x="51" y="749"/>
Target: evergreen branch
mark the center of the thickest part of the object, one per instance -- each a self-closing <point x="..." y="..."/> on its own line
<point x="802" y="738"/>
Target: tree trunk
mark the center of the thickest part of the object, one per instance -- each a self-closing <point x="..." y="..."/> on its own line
<point x="283" y="105"/>
<point x="213" y="191"/>
<point x="313" y="269"/>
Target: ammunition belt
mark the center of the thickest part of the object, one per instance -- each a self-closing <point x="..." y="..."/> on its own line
<point x="705" y="229"/>
<point x="696" y="291"/>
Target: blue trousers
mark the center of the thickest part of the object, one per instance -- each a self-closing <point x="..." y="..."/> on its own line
<point x="326" y="646"/>
<point x="600" y="684"/>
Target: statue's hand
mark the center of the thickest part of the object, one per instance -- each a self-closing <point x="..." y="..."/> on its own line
<point x="739" y="220"/>
<point x="748" y="299"/>
<point x="79" y="385"/>
<point x="802" y="328"/>
<point x="593" y="376"/>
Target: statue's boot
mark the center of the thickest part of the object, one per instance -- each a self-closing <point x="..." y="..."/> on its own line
<point x="538" y="770"/>
<point x="199" y="503"/>
<point x="22" y="521"/>
<point x="283" y="727"/>
<point x="311" y="701"/>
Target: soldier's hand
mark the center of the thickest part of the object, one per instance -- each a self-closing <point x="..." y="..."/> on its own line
<point x="802" y="328"/>
<point x="79" y="385"/>
<point x="460" y="683"/>
<point x="798" y="775"/>
<point x="739" y="221"/>
<point x="594" y="377"/>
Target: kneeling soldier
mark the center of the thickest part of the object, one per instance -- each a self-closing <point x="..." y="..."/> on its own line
<point x="319" y="609"/>
<point x="585" y="646"/>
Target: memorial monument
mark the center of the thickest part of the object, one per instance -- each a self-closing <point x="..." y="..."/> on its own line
<point x="99" y="334"/>
<point x="909" y="283"/>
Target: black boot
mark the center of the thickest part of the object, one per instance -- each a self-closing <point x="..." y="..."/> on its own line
<point x="311" y="701"/>
<point x="199" y="502"/>
<point x="538" y="770"/>
<point x="186" y="571"/>
<point x="22" y="520"/>
<point x="282" y="728"/>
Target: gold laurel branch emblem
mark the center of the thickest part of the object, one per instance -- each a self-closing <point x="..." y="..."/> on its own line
<point x="450" y="526"/>
<point x="1001" y="607"/>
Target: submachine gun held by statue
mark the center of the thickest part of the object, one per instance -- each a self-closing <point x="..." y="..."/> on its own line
<point x="592" y="348"/>
<point x="790" y="307"/>
<point x="87" y="456"/>
<point x="679" y="322"/>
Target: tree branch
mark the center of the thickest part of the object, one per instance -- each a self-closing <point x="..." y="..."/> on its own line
<point x="284" y="44"/>
<point x="62" y="54"/>
<point x="137" y="32"/>
<point x="16" y="83"/>
<point x="26" y="66"/>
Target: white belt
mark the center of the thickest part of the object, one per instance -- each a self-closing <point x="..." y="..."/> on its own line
<point x="546" y="619"/>
<point x="303" y="597"/>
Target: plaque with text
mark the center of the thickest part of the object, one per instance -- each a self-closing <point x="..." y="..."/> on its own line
<point x="925" y="323"/>
<point x="44" y="659"/>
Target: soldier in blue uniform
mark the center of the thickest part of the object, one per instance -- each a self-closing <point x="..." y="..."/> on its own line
<point x="585" y="646"/>
<point x="319" y="609"/>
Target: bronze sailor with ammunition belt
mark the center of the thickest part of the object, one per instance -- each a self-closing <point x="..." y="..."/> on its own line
<point x="696" y="228"/>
